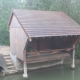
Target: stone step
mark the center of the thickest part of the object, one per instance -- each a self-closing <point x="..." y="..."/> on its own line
<point x="8" y="60"/>
<point x="11" y="72"/>
<point x="10" y="67"/>
<point x="7" y="57"/>
<point x="9" y="63"/>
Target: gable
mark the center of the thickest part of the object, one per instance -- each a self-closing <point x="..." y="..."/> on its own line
<point x="14" y="22"/>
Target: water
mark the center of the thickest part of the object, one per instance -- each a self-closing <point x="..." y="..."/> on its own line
<point x="59" y="73"/>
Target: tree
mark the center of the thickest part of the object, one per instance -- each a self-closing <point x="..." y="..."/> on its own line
<point x="6" y="7"/>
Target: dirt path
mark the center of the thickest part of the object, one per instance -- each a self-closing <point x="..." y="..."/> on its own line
<point x="4" y="50"/>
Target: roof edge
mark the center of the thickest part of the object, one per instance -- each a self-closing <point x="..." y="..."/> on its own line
<point x="10" y="19"/>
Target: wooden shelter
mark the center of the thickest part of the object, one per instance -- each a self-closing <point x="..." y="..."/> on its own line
<point x="39" y="36"/>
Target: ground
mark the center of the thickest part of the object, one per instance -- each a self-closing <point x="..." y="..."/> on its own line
<point x="4" y="50"/>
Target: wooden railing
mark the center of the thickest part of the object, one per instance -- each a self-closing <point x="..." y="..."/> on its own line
<point x="46" y="52"/>
<point x="49" y="57"/>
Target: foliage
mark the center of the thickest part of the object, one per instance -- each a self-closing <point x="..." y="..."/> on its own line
<point x="78" y="50"/>
<point x="6" y="7"/>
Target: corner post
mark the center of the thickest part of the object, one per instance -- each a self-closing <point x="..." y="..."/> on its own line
<point x="62" y="61"/>
<point x="73" y="58"/>
<point x="25" y="75"/>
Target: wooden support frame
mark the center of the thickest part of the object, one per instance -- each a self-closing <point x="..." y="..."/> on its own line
<point x="25" y="75"/>
<point x="73" y="58"/>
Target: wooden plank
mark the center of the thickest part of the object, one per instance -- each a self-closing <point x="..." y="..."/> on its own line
<point x="76" y="41"/>
<point x="24" y="55"/>
<point x="55" y="50"/>
<point x="37" y="59"/>
<point x="38" y="45"/>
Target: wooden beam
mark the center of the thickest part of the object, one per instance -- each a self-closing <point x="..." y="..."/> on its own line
<point x="38" y="44"/>
<point x="25" y="52"/>
<point x="25" y="74"/>
<point x="73" y="59"/>
<point x="24" y="55"/>
<point x="51" y="50"/>
<point x="76" y="41"/>
<point x="56" y="50"/>
<point x="47" y="57"/>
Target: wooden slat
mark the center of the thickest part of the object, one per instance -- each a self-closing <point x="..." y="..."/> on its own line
<point x="51" y="50"/>
<point x="47" y="57"/>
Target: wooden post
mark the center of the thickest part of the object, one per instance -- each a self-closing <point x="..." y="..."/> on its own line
<point x="73" y="58"/>
<point x="38" y="44"/>
<point x="25" y="75"/>
<point x="62" y="61"/>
